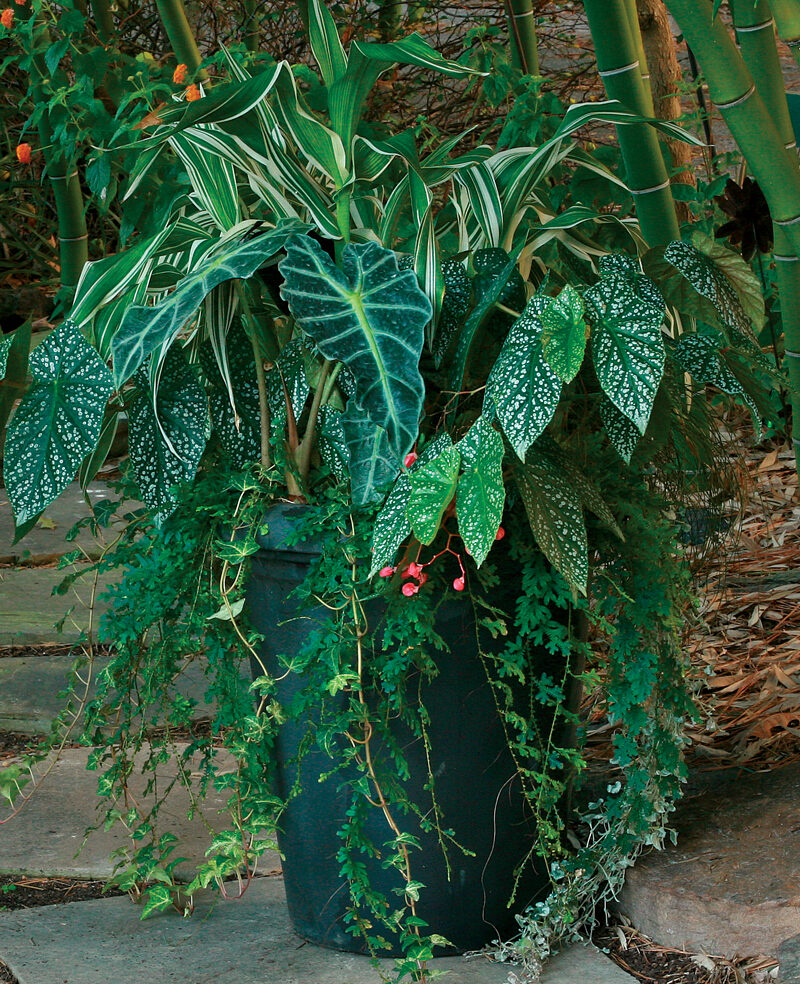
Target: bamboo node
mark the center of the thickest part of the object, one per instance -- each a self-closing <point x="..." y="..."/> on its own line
<point x="755" y="27"/>
<point x="739" y="100"/>
<point x="618" y="71"/>
<point x="787" y="222"/>
<point x="791" y="355"/>
<point x="649" y="191"/>
<point x="780" y="258"/>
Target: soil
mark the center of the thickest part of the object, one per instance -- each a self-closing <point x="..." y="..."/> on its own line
<point x="30" y="891"/>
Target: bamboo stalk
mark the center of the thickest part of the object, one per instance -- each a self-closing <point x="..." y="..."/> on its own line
<point x="787" y="20"/>
<point x="251" y="25"/>
<point x="103" y="19"/>
<point x="176" y="24"/>
<point x="732" y="88"/>
<point x="644" y="70"/>
<point x="522" y="31"/>
<point x="618" y="63"/>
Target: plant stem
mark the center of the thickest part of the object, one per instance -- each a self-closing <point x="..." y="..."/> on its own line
<point x="522" y="32"/>
<point x="263" y="403"/>
<point x="744" y="110"/>
<point x="251" y="25"/>
<point x="303" y="454"/>
<point x="644" y="69"/>
<point x="618" y="62"/>
<point x="176" y="24"/>
<point x="787" y="20"/>
<point x="103" y="19"/>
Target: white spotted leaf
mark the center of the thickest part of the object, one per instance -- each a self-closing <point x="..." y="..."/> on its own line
<point x="627" y="347"/>
<point x="481" y="493"/>
<point x="168" y="432"/>
<point x="433" y="485"/>
<point x="391" y="525"/>
<point x="331" y="441"/>
<point x="58" y="422"/>
<point x="370" y="316"/>
<point x="522" y="387"/>
<point x="699" y="355"/>
<point x="623" y="433"/>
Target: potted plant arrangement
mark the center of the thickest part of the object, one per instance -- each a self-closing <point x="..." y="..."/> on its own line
<point x="388" y="409"/>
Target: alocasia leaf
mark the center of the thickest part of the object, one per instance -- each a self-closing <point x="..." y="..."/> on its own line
<point x="555" y="513"/>
<point x="481" y="493"/>
<point x="627" y="347"/>
<point x="168" y="432"/>
<point x="391" y="525"/>
<point x="58" y="421"/>
<point x="433" y="485"/>
<point x="564" y="333"/>
<point x="372" y="317"/>
<point x="373" y="464"/>
<point x="522" y="388"/>
<point x="146" y="328"/>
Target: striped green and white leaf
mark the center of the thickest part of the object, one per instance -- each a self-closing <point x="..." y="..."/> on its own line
<point x="331" y="441"/>
<point x="727" y="282"/>
<point x="168" y="431"/>
<point x="213" y="179"/>
<point x="147" y="328"/>
<point x="325" y="44"/>
<point x="455" y="306"/>
<point x="564" y="334"/>
<point x="622" y="432"/>
<point x="522" y="389"/>
<point x="392" y="525"/>
<point x="428" y="268"/>
<point x="627" y="346"/>
<point x="433" y="485"/>
<point x="484" y="199"/>
<point x="555" y="514"/>
<point x="370" y="316"/>
<point x="481" y="492"/>
<point x="373" y="464"/>
<point x="58" y="422"/>
<point x="699" y="355"/>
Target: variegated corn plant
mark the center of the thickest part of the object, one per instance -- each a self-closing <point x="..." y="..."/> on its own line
<point x="346" y="308"/>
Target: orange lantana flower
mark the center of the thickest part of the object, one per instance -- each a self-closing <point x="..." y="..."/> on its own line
<point x="179" y="75"/>
<point x="24" y="153"/>
<point x="7" y="18"/>
<point x="193" y="93"/>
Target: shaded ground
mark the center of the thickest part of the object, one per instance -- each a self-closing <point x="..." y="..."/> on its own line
<point x="27" y="891"/>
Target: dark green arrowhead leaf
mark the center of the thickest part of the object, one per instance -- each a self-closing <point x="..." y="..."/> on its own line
<point x="627" y="346"/>
<point x="522" y="388"/>
<point x="564" y="333"/>
<point x="372" y="317"/>
<point x="623" y="433"/>
<point x="146" y="328"/>
<point x="433" y="485"/>
<point x="167" y="434"/>
<point x="58" y="421"/>
<point x="391" y="525"/>
<point x="373" y="465"/>
<point x="555" y="513"/>
<point x="481" y="492"/>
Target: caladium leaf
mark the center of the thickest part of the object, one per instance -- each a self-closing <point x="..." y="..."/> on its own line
<point x="455" y="305"/>
<point x="627" y="347"/>
<point x="391" y="525"/>
<point x="621" y="263"/>
<point x="288" y="377"/>
<point x="331" y="441"/>
<point x="481" y="493"/>
<point x="555" y="513"/>
<point x="491" y="263"/>
<point x="564" y="334"/>
<point x="699" y="355"/>
<point x="372" y="317"/>
<point x="58" y="422"/>
<point x="433" y="485"/>
<point x="168" y="432"/>
<point x="623" y="433"/>
<point x="147" y="328"/>
<point x="373" y="464"/>
<point x="522" y="389"/>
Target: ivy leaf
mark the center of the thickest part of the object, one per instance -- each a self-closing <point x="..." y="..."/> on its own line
<point x="699" y="355"/>
<point x="391" y="525"/>
<point x="627" y="347"/>
<point x="372" y="317"/>
<point x="522" y="388"/>
<point x="168" y="432"/>
<point x="555" y="513"/>
<point x="373" y="464"/>
<point x="146" y="328"/>
<point x="58" y="422"/>
<point x="433" y="485"/>
<point x="623" y="433"/>
<point x="564" y="333"/>
<point x="331" y="441"/>
<point x="481" y="492"/>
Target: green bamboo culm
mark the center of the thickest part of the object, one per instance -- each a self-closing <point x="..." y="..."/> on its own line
<point x="618" y="63"/>
<point x="787" y="20"/>
<point x="176" y="24"/>
<point x="747" y="116"/>
<point x="522" y="32"/>
<point x="644" y="71"/>
<point x="252" y="33"/>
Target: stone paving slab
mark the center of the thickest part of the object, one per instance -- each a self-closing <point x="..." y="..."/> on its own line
<point x="29" y="611"/>
<point x="249" y="941"/>
<point x="44" y="837"/>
